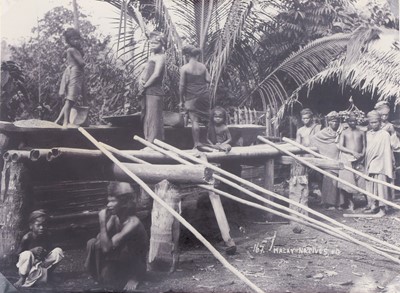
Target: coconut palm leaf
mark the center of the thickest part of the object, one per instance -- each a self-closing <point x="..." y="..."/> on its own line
<point x="299" y="67"/>
<point x="375" y="71"/>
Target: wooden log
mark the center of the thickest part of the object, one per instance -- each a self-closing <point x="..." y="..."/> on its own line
<point x="300" y="159"/>
<point x="16" y="155"/>
<point x="237" y="153"/>
<point x="365" y="176"/>
<point x="164" y="232"/>
<point x="174" y="173"/>
<point x="260" y="189"/>
<point x="14" y="207"/>
<point x="38" y="154"/>
<point x="217" y="255"/>
<point x="321" y="163"/>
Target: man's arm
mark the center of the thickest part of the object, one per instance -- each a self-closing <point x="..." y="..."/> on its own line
<point x="229" y="136"/>
<point x="77" y="56"/>
<point x="158" y="68"/>
<point x="182" y="84"/>
<point x="105" y="239"/>
<point x="364" y="139"/>
<point x="127" y="229"/>
<point x="298" y="136"/>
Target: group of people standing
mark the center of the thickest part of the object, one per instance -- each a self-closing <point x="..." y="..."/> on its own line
<point x="194" y="92"/>
<point x="367" y="149"/>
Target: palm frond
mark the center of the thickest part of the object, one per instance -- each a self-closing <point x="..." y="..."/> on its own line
<point x="375" y="72"/>
<point x="299" y="67"/>
<point x="230" y="33"/>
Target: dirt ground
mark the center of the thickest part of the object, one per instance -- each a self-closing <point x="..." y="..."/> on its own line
<point x="327" y="264"/>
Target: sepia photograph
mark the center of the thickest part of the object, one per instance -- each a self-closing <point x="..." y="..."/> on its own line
<point x="199" y="146"/>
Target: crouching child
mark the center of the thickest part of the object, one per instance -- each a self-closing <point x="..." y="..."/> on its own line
<point x="37" y="255"/>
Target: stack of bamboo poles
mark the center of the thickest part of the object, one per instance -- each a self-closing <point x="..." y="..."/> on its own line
<point x="186" y="159"/>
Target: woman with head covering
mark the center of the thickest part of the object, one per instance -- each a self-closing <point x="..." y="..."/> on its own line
<point x="150" y="87"/>
<point x="378" y="161"/>
<point x="326" y="141"/>
<point x="383" y="109"/>
<point x="193" y="90"/>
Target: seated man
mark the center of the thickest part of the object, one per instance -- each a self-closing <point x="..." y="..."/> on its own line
<point x="117" y="257"/>
<point x="37" y="255"/>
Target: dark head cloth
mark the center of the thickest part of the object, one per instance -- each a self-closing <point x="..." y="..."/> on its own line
<point x="116" y="188"/>
<point x="373" y="115"/>
<point x="306" y="111"/>
<point x="333" y="116"/>
<point x="396" y="124"/>
<point x="36" y="215"/>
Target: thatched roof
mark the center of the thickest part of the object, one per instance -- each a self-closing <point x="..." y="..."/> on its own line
<point x="376" y="72"/>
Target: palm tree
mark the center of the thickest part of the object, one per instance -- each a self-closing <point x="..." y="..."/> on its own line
<point x="232" y="34"/>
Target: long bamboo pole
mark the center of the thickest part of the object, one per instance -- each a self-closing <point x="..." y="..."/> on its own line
<point x="215" y="252"/>
<point x="366" y="177"/>
<point x="389" y="203"/>
<point x="243" y="201"/>
<point x="333" y="233"/>
<point x="330" y="228"/>
<point x="122" y="155"/>
<point x="268" y="192"/>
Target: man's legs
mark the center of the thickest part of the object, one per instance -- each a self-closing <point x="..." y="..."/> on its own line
<point x="24" y="265"/>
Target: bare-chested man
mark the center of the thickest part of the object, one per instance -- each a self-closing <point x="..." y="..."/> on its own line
<point x="117" y="257"/>
<point x="352" y="144"/>
<point x="309" y="129"/>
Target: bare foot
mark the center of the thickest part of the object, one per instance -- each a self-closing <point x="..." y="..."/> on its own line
<point x="381" y="213"/>
<point x="131" y="285"/>
<point x="20" y="282"/>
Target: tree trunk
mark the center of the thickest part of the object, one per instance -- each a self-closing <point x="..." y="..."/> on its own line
<point x="164" y="233"/>
<point x="14" y="195"/>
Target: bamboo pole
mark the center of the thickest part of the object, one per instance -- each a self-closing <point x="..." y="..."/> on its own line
<point x="268" y="192"/>
<point x="334" y="230"/>
<point x="16" y="155"/>
<point x="38" y="154"/>
<point x="312" y="225"/>
<point x="249" y="203"/>
<point x="122" y="155"/>
<point x="389" y="203"/>
<point x="224" y="262"/>
<point x="345" y="167"/>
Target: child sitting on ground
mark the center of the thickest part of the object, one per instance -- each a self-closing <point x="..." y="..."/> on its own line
<point x="218" y="135"/>
<point x="37" y="256"/>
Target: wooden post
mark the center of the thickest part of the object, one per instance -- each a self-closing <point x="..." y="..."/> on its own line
<point x="269" y="180"/>
<point x="222" y="222"/>
<point x="164" y="239"/>
<point x="15" y="191"/>
<point x="298" y="187"/>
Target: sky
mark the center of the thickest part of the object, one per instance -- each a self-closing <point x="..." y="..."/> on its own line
<point x="18" y="17"/>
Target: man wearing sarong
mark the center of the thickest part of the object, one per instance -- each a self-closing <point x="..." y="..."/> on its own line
<point x="117" y="257"/>
<point x="378" y="162"/>
<point x="326" y="142"/>
<point x="151" y="90"/>
<point x="352" y="143"/>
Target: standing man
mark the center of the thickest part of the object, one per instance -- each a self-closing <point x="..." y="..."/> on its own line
<point x="352" y="143"/>
<point x="326" y="141"/>
<point x="378" y="162"/>
<point x="308" y="129"/>
<point x="117" y="257"/>
<point x="150" y="88"/>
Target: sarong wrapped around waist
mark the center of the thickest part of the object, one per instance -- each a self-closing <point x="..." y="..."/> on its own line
<point x="72" y="83"/>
